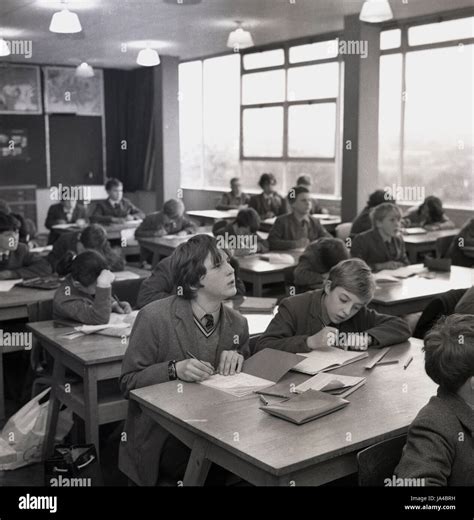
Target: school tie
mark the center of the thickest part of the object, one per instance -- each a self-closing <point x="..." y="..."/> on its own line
<point x="208" y="322"/>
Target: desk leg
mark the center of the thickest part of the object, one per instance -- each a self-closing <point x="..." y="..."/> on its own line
<point x="91" y="417"/>
<point x="2" y="387"/>
<point x="257" y="286"/>
<point x="59" y="371"/>
<point x="412" y="253"/>
<point x="198" y="466"/>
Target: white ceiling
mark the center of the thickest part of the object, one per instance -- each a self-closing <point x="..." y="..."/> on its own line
<point x="186" y="31"/>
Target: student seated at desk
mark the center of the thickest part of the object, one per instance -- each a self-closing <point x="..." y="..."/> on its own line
<point x="115" y="209"/>
<point x="241" y="235"/>
<point x="94" y="238"/>
<point x="164" y="332"/>
<point x="363" y="222"/>
<point x="309" y="321"/>
<point x="235" y="199"/>
<point x="86" y="293"/>
<point x="268" y="204"/>
<point x="316" y="262"/>
<point x="65" y="212"/>
<point x="382" y="247"/>
<point x="16" y="261"/>
<point x="429" y="215"/>
<point x="27" y="230"/>
<point x="161" y="284"/>
<point x="440" y="442"/>
<point x="306" y="182"/>
<point x="298" y="228"/>
<point x="461" y="250"/>
<point x="171" y="221"/>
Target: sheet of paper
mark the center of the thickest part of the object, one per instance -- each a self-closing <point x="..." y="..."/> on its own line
<point x="258" y="323"/>
<point x="125" y="275"/>
<point x="43" y="249"/>
<point x="7" y="285"/>
<point x="325" y="382"/>
<point x="116" y="321"/>
<point x="327" y="358"/>
<point x="238" y="385"/>
<point x="278" y="258"/>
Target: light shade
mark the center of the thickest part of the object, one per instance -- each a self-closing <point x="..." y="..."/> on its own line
<point x="84" y="70"/>
<point x="240" y="39"/>
<point x="375" y="11"/>
<point x="148" y="58"/>
<point x="65" y="22"/>
<point x="4" y="48"/>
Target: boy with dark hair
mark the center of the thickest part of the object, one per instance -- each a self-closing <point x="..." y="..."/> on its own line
<point x="440" y="443"/>
<point x="363" y="221"/>
<point x="171" y="221"/>
<point x="268" y="204"/>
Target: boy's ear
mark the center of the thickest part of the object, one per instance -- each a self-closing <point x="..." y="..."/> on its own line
<point x="327" y="286"/>
<point x="472" y="383"/>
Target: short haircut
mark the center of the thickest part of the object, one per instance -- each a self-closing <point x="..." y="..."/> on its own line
<point x="449" y="351"/>
<point x="87" y="266"/>
<point x="304" y="180"/>
<point x="94" y="237"/>
<point x="378" y="197"/>
<point x="4" y="207"/>
<point x="435" y="208"/>
<point x="378" y="213"/>
<point x="112" y="183"/>
<point x="266" y="178"/>
<point x="234" y="179"/>
<point x="8" y="223"/>
<point x="294" y="192"/>
<point x="187" y="263"/>
<point x="355" y="276"/>
<point x="331" y="252"/>
<point x="248" y="217"/>
<point x="172" y="207"/>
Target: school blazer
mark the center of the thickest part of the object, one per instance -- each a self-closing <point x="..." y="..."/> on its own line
<point x="362" y="222"/>
<point x="299" y="317"/>
<point x="163" y="331"/>
<point x="155" y="222"/>
<point x="262" y="206"/>
<point x="370" y="246"/>
<point x="24" y="264"/>
<point x="440" y="443"/>
<point x="310" y="269"/>
<point x="287" y="230"/>
<point x="103" y="211"/>
<point x="56" y="213"/>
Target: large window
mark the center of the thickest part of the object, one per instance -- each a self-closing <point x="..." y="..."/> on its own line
<point x="427" y="109"/>
<point x="273" y="111"/>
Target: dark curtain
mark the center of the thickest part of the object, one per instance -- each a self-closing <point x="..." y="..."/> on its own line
<point x="129" y="117"/>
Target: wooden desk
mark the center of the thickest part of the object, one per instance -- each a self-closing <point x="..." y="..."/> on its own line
<point x="425" y="243"/>
<point x="113" y="230"/>
<point x="209" y="216"/>
<point x="259" y="272"/>
<point x="330" y="222"/>
<point x="264" y="450"/>
<point x="414" y="293"/>
<point x="164" y="246"/>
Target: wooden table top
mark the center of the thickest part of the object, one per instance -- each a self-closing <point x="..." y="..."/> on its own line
<point x="214" y="214"/>
<point x="172" y="241"/>
<point x="324" y="218"/>
<point x="417" y="287"/>
<point x="255" y="264"/>
<point x="385" y="406"/>
<point x="431" y="236"/>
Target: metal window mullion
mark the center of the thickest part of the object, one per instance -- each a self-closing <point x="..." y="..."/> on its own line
<point x="403" y="107"/>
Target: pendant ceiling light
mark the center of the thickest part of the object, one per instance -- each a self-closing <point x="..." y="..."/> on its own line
<point x="240" y="39"/>
<point x="4" y="48"/>
<point x="65" y="22"/>
<point x="148" y="57"/>
<point x="375" y="11"/>
<point x="84" y="70"/>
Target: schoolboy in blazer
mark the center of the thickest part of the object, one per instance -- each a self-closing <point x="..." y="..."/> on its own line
<point x="307" y="321"/>
<point x="440" y="442"/>
<point x="382" y="247"/>
<point x="163" y="333"/>
<point x="268" y="204"/>
<point x="172" y="220"/>
<point x="64" y="212"/>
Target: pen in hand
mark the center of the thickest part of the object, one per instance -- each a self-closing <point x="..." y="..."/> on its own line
<point x="190" y="354"/>
<point x="407" y="362"/>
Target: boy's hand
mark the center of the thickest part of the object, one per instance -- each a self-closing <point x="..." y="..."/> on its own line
<point x="326" y="337"/>
<point x="105" y="278"/>
<point x="230" y="363"/>
<point x="193" y="370"/>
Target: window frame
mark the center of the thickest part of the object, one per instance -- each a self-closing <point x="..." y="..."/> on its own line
<point x="285" y="104"/>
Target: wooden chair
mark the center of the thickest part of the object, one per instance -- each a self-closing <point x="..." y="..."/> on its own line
<point x="343" y="230"/>
<point x="379" y="461"/>
<point x="443" y="245"/>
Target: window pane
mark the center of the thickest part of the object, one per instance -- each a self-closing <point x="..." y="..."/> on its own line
<point x="263" y="87"/>
<point x="221" y="120"/>
<point x="438" y="123"/>
<point x="441" y="32"/>
<point x="390" y="39"/>
<point x="312" y="130"/>
<point x="190" y="123"/>
<point x="314" y="51"/>
<point x="323" y="175"/>
<point x="313" y="82"/>
<point x="263" y="132"/>
<point x="257" y="60"/>
<point x="390" y="106"/>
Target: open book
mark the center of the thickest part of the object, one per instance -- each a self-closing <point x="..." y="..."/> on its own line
<point x="414" y="231"/>
<point x="327" y="358"/>
<point x="259" y="371"/>
<point x="119" y="325"/>
<point x="395" y="275"/>
<point x="7" y="285"/>
<point x="334" y="384"/>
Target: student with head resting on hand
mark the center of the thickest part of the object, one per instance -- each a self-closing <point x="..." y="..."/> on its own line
<point x="430" y="215"/>
<point x="16" y="261"/>
<point x="440" y="443"/>
<point x="86" y="293"/>
<point x="298" y="228"/>
<point x="235" y="198"/>
<point x="187" y="337"/>
<point x="382" y="247"/>
<point x="316" y="319"/>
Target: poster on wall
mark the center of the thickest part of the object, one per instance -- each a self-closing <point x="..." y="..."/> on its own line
<point x="20" y="89"/>
<point x="65" y="93"/>
<point x="14" y="144"/>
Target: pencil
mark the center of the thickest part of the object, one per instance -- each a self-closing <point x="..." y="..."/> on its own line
<point x="407" y="362"/>
<point x="264" y="401"/>
<point x="190" y="354"/>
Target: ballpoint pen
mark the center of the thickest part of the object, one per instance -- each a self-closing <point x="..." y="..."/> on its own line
<point x="264" y="401"/>
<point x="190" y="354"/>
<point x="407" y="362"/>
